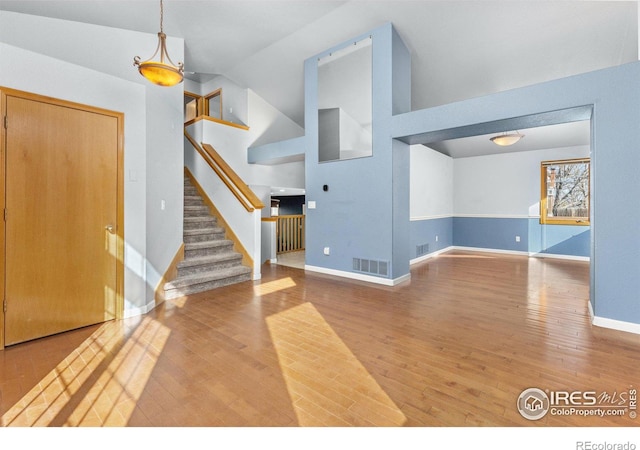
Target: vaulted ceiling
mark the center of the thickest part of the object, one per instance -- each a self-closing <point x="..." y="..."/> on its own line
<point x="460" y="49"/>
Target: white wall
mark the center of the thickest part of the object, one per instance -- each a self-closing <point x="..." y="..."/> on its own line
<point x="267" y="124"/>
<point x="165" y="180"/>
<point x="432" y="184"/>
<point x="93" y="65"/>
<point x="234" y="99"/>
<point x="504" y="185"/>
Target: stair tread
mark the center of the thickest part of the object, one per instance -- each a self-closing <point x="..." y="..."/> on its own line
<point x="206" y="218"/>
<point x="208" y="230"/>
<point x="199" y="260"/>
<point x="204" y="272"/>
<point x="204" y="277"/>
<point x="207" y="244"/>
<point x="199" y="215"/>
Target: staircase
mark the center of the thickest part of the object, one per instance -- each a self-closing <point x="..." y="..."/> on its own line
<point x="209" y="259"/>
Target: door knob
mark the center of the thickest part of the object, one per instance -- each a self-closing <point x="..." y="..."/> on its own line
<point x="110" y="229"/>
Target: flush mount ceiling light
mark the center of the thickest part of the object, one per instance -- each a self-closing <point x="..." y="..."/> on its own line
<point x="506" y="139"/>
<point x="160" y="72"/>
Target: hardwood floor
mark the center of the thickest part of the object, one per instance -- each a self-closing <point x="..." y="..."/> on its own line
<point x="455" y="346"/>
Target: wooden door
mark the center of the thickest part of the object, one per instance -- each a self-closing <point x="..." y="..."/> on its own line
<point x="61" y="200"/>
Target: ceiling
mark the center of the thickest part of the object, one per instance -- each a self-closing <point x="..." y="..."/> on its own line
<point x="460" y="49"/>
<point x="552" y="136"/>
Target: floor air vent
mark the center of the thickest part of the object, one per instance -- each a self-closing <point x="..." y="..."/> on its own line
<point x="422" y="249"/>
<point x="371" y="266"/>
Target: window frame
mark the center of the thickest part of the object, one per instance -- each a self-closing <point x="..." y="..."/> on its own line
<point x="207" y="98"/>
<point x="575" y="221"/>
<point x="199" y="103"/>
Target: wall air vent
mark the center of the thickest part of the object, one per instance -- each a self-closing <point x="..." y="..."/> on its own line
<point x="371" y="266"/>
<point x="422" y="249"/>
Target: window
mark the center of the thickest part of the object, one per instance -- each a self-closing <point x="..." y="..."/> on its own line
<point x="564" y="192"/>
<point x="198" y="105"/>
<point x="213" y="104"/>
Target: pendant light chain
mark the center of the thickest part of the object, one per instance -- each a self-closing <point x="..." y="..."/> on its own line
<point x="161" y="15"/>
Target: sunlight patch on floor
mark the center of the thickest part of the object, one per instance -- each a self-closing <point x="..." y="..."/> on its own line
<point x="66" y="396"/>
<point x="179" y="302"/>
<point x="327" y="384"/>
<point x="273" y="286"/>
<point x="112" y="399"/>
<point x="46" y="400"/>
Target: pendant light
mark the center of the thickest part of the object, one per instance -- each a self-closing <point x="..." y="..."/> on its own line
<point x="163" y="72"/>
<point x="506" y="139"/>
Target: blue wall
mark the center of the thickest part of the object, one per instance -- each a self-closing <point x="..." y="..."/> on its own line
<point x="499" y="234"/>
<point x="365" y="211"/>
<point x="425" y="232"/>
<point x="492" y="233"/>
<point x="611" y="99"/>
<point x="559" y="239"/>
<point x="289" y="204"/>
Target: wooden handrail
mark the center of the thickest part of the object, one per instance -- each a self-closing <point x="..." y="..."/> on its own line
<point x="213" y="119"/>
<point x="219" y="172"/>
<point x="233" y="177"/>
<point x="240" y="190"/>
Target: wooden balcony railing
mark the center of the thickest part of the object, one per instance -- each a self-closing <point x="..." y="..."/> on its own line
<point x="290" y="233"/>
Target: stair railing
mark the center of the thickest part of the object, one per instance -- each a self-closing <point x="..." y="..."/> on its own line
<point x="242" y="217"/>
<point x="228" y="176"/>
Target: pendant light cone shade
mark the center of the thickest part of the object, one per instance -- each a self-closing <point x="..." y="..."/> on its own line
<point x="506" y="139"/>
<point x="162" y="72"/>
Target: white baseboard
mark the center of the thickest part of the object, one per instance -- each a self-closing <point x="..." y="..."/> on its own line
<point x="429" y="255"/>
<point x="489" y="250"/>
<point x="138" y="310"/>
<point x="358" y="276"/>
<point x="521" y="253"/>
<point x="614" y="324"/>
<point x="569" y="257"/>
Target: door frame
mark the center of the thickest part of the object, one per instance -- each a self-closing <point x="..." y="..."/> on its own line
<point x="8" y="92"/>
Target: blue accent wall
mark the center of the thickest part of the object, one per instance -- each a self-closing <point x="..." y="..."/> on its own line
<point x="491" y="233"/>
<point x="289" y="204"/>
<point x="559" y="239"/>
<point x="425" y="232"/>
<point x="364" y="213"/>
<point x="286" y="151"/>
<point x="611" y="99"/>
<point x="499" y="234"/>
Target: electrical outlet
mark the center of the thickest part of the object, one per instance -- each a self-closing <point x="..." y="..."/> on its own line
<point x="162" y="205"/>
<point x="517" y="238"/>
<point x="436" y="238"/>
<point x="327" y="251"/>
